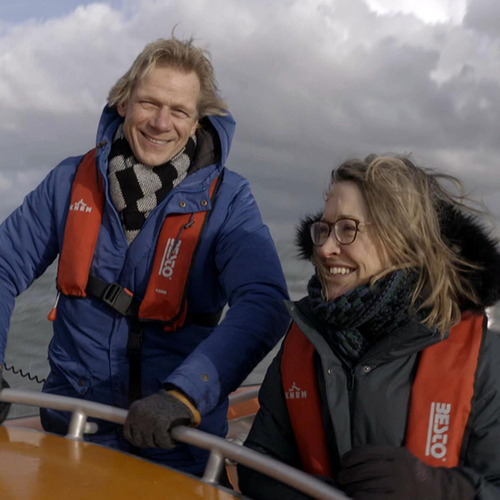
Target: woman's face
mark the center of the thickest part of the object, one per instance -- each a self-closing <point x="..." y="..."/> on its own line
<point x="347" y="266"/>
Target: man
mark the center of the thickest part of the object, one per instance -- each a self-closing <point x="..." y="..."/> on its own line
<point x="155" y="236"/>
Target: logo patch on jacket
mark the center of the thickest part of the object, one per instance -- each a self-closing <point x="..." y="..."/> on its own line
<point x="169" y="256"/>
<point x="437" y="436"/>
<point x="295" y="393"/>
<point x="80" y="206"/>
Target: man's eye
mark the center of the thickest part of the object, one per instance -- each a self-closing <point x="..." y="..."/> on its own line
<point x="180" y="113"/>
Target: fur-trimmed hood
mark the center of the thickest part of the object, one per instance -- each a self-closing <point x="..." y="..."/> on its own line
<point x="460" y="230"/>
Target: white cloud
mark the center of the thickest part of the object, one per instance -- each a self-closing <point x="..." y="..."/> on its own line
<point x="58" y="66"/>
<point x="310" y="82"/>
<point x="429" y="11"/>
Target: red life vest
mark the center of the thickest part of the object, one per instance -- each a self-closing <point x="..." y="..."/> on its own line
<point x="440" y="402"/>
<point x="165" y="298"/>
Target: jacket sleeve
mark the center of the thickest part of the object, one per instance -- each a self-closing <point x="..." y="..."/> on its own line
<point x="28" y="245"/>
<point x="272" y="435"/>
<point x="482" y="459"/>
<point x="250" y="274"/>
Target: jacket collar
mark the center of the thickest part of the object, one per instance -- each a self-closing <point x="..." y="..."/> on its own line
<point x="406" y="340"/>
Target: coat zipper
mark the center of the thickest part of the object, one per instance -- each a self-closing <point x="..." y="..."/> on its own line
<point x="350" y="389"/>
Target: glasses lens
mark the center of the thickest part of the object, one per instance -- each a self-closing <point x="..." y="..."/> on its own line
<point x="319" y="232"/>
<point x="345" y="231"/>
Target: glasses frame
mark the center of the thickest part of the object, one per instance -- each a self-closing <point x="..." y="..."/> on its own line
<point x="332" y="226"/>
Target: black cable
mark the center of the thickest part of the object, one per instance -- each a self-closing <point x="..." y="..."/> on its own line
<point x="33" y="378"/>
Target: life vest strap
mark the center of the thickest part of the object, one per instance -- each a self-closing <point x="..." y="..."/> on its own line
<point x="113" y="295"/>
<point x="203" y="319"/>
<point x="134" y="352"/>
<point x="122" y="301"/>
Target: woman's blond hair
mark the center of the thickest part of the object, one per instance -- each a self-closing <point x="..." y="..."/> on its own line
<point x="405" y="204"/>
<point x="181" y="55"/>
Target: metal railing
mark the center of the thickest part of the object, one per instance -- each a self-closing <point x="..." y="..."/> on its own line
<point x="219" y="448"/>
<point x="241" y="397"/>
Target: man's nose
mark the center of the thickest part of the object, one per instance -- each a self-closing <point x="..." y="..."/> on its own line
<point x="162" y="119"/>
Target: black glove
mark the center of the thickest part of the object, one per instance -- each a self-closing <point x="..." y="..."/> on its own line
<point x="150" y="420"/>
<point x="4" y="407"/>
<point x="380" y="472"/>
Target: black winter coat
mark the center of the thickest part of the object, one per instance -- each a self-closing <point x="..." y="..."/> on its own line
<point x="369" y="404"/>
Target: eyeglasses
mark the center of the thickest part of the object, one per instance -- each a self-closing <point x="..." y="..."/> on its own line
<point x="345" y="231"/>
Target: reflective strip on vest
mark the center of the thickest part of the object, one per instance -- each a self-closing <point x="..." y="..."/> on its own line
<point x="440" y="404"/>
<point x="300" y="386"/>
<point x="442" y="394"/>
<point x="165" y="298"/>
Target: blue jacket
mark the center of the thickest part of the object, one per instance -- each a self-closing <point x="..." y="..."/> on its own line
<point x="236" y="264"/>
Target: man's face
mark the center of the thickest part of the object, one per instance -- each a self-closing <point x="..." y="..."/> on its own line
<point x="161" y="114"/>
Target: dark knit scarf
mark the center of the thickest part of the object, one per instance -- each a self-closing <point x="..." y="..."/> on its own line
<point x="136" y="189"/>
<point x="354" y="321"/>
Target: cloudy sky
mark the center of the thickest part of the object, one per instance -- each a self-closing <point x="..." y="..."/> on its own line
<point x="310" y="83"/>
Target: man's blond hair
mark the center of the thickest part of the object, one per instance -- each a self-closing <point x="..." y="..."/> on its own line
<point x="181" y="55"/>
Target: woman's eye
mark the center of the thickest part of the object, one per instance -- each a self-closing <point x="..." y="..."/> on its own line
<point x="348" y="227"/>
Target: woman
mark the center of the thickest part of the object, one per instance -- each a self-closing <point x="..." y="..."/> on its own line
<point x="387" y="382"/>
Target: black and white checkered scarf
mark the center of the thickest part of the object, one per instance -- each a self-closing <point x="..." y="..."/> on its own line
<point x="136" y="189"/>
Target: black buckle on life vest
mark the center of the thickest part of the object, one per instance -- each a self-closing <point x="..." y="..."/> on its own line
<point x="113" y="295"/>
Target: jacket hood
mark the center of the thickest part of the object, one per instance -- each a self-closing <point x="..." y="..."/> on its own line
<point x="223" y="128"/>
<point x="465" y="233"/>
<point x="216" y="134"/>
